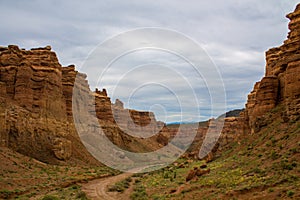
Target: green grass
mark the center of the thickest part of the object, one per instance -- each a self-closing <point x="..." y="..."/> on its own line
<point x="139" y="193"/>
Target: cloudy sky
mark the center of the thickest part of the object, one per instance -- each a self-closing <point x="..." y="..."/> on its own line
<point x="233" y="33"/>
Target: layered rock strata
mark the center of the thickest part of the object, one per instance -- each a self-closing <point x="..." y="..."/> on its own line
<point x="36" y="108"/>
<point x="280" y="85"/>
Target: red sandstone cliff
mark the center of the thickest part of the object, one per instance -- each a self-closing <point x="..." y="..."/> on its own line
<point x="36" y="109"/>
<point x="122" y="125"/>
<point x="35" y="106"/>
<point x="36" y="115"/>
<point x="281" y="83"/>
<point x="278" y="89"/>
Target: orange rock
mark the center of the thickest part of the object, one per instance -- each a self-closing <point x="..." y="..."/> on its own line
<point x="281" y="84"/>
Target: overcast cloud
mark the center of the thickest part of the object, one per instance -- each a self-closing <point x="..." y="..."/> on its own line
<point x="234" y="33"/>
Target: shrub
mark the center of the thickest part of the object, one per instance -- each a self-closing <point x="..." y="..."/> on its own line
<point x="139" y="193"/>
<point x="50" y="197"/>
<point x="290" y="193"/>
<point x="75" y="187"/>
<point x="5" y="193"/>
<point x="274" y="155"/>
<point x="120" y="186"/>
<point x="81" y="195"/>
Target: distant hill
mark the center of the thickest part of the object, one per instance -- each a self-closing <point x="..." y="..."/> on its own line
<point x="232" y="113"/>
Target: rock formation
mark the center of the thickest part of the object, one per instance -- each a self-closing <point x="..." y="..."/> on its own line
<point x="196" y="172"/>
<point x="36" y="99"/>
<point x="36" y="115"/>
<point x="280" y="85"/>
<point x="36" y="108"/>
<point x="233" y="129"/>
<point x="278" y="89"/>
<point x="128" y="128"/>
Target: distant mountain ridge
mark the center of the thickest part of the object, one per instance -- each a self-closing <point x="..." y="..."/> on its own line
<point x="232" y="113"/>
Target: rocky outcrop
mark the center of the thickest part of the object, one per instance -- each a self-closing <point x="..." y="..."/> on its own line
<point x="196" y="172"/>
<point x="131" y="130"/>
<point x="262" y="99"/>
<point x="32" y="79"/>
<point x="279" y="89"/>
<point x="280" y="85"/>
<point x="36" y="109"/>
<point x="233" y="128"/>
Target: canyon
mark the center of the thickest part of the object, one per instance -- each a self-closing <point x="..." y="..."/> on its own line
<point x="37" y="108"/>
<point x="37" y="118"/>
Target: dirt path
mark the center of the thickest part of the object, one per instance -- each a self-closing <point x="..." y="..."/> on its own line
<point x="97" y="189"/>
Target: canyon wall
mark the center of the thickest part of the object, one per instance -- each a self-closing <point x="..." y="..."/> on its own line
<point x="33" y="104"/>
<point x="233" y="129"/>
<point x="278" y="91"/>
<point x="36" y="114"/>
<point x="132" y="130"/>
<point x="280" y="85"/>
<point x="36" y="109"/>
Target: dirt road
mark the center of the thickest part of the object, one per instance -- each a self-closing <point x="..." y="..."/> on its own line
<point x="97" y="189"/>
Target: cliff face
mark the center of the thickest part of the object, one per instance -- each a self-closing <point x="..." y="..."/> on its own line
<point x="233" y="129"/>
<point x="36" y="108"/>
<point x="36" y="115"/>
<point x="126" y="128"/>
<point x="279" y="90"/>
<point x="32" y="79"/>
<point x="33" y="105"/>
<point x="280" y="85"/>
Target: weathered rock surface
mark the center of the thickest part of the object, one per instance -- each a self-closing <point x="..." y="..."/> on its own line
<point x="233" y="128"/>
<point x="36" y="109"/>
<point x="196" y="172"/>
<point x="36" y="115"/>
<point x="279" y="87"/>
<point x="132" y="130"/>
<point x="281" y="84"/>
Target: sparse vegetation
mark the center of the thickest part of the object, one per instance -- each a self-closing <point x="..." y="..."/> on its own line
<point x="139" y="193"/>
<point x="50" y="197"/>
<point x="5" y="193"/>
<point x="121" y="185"/>
<point x="290" y="193"/>
<point x="260" y="164"/>
<point x="34" y="178"/>
<point x="81" y="195"/>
